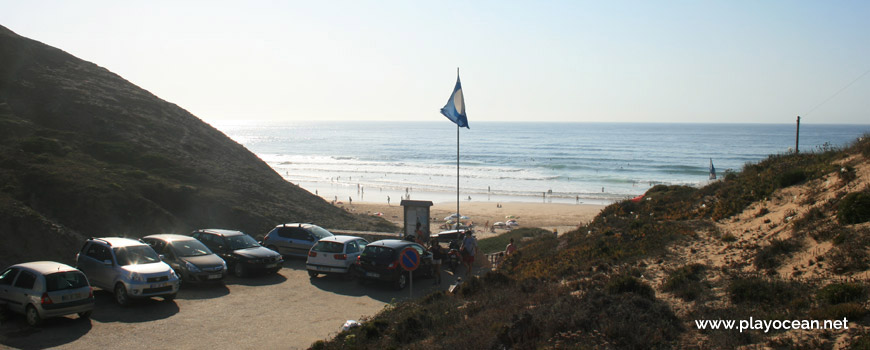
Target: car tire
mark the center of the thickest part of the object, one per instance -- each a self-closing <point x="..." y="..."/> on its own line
<point x="85" y="315"/>
<point x="169" y="297"/>
<point x="351" y="272"/>
<point x="239" y="269"/>
<point x="121" y="296"/>
<point x="32" y="315"/>
<point x="400" y="283"/>
<point x="312" y="274"/>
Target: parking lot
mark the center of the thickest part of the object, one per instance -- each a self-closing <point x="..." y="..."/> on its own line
<point x="285" y="311"/>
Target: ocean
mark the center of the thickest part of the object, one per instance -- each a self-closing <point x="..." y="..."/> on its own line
<point x="596" y="163"/>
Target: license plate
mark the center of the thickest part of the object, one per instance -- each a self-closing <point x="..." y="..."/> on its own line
<point x="158" y="285"/>
<point x="214" y="277"/>
<point x="372" y="274"/>
<point x="271" y="266"/>
<point x="69" y="297"/>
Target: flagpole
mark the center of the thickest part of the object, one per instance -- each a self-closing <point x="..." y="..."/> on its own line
<point x="457" y="176"/>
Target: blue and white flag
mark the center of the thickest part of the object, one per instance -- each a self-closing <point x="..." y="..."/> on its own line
<point x="455" y="107"/>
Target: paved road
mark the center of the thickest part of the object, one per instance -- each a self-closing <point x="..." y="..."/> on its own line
<point x="285" y="311"/>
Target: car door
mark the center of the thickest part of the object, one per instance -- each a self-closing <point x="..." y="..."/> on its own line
<point x="22" y="290"/>
<point x="6" y="280"/>
<point x="300" y="241"/>
<point x="98" y="265"/>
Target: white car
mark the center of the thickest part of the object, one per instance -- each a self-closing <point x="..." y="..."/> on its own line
<point x="45" y="289"/>
<point x="336" y="254"/>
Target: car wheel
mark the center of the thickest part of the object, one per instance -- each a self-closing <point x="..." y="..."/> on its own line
<point x="85" y="315"/>
<point x="351" y="272"/>
<point x="32" y="314"/>
<point x="238" y="269"/>
<point x="121" y="296"/>
<point x="312" y="274"/>
<point x="401" y="282"/>
<point x="169" y="297"/>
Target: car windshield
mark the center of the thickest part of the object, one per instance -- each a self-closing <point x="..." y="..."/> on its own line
<point x="241" y="242"/>
<point x="378" y="252"/>
<point x="136" y="255"/>
<point x="320" y="232"/>
<point x="189" y="248"/>
<point x="329" y="247"/>
<point x="65" y="280"/>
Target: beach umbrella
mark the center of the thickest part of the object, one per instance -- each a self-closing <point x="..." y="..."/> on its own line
<point x="510" y="217"/>
<point x="464" y="218"/>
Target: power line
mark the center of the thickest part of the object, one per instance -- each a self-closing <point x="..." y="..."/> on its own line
<point x="837" y="93"/>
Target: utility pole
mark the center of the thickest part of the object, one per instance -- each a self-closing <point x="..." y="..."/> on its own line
<point x="797" y="135"/>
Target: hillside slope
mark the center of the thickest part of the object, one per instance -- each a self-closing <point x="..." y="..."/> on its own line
<point x="787" y="238"/>
<point x="84" y="152"/>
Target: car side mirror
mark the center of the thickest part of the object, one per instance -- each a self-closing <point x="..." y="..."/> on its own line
<point x="107" y="262"/>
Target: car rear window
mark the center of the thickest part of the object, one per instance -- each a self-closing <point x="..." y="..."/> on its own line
<point x="65" y="280"/>
<point x="329" y="247"/>
<point x="377" y="252"/>
<point x="319" y="232"/>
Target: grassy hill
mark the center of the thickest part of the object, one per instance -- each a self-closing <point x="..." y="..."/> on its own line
<point x="787" y="238"/>
<point x="84" y="152"/>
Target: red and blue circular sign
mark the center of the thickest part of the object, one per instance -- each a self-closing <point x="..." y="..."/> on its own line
<point x="409" y="258"/>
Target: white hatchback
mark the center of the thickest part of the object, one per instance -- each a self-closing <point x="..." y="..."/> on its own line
<point x="336" y="254"/>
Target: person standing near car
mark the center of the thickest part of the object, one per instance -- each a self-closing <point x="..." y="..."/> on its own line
<point x="437" y="256"/>
<point x="468" y="248"/>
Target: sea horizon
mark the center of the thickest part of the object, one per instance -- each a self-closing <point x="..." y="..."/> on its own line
<point x="540" y="162"/>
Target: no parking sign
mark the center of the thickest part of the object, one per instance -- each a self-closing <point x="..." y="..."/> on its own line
<point x="409" y="258"/>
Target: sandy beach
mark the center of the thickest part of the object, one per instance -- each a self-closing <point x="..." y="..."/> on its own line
<point x="550" y="216"/>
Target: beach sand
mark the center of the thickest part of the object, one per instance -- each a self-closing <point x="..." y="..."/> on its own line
<point x="550" y="216"/>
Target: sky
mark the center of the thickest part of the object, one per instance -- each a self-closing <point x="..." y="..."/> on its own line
<point x="566" y="61"/>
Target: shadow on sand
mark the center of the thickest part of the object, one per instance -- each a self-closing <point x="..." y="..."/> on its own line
<point x="56" y="331"/>
<point x="139" y="310"/>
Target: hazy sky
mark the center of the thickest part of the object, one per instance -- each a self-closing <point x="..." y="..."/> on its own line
<point x="584" y="61"/>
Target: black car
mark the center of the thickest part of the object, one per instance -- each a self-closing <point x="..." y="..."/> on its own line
<point x="380" y="262"/>
<point x="191" y="260"/>
<point x="241" y="252"/>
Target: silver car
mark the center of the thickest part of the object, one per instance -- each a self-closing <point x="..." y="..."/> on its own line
<point x="129" y="268"/>
<point x="294" y="239"/>
<point x="44" y="289"/>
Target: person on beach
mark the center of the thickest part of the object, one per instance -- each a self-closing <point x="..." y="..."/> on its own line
<point x="388" y="201"/>
<point x="437" y="256"/>
<point x="511" y="248"/>
<point x="468" y="248"/>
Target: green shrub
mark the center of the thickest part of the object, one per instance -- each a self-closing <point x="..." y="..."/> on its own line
<point x="851" y="311"/>
<point x="770" y="256"/>
<point x="629" y="284"/>
<point x="837" y="293"/>
<point x="686" y="282"/>
<point x="854" y="208"/>
<point x="791" y="178"/>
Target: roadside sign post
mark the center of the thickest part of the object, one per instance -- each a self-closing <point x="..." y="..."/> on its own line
<point x="409" y="259"/>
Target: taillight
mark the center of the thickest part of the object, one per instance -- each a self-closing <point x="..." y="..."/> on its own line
<point x="46" y="300"/>
<point x="91" y="292"/>
<point x="267" y="237"/>
<point x="358" y="260"/>
<point x="393" y="265"/>
<point x="312" y="253"/>
<point x="340" y="256"/>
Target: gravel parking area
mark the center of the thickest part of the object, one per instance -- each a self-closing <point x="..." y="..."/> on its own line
<point x="285" y="311"/>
